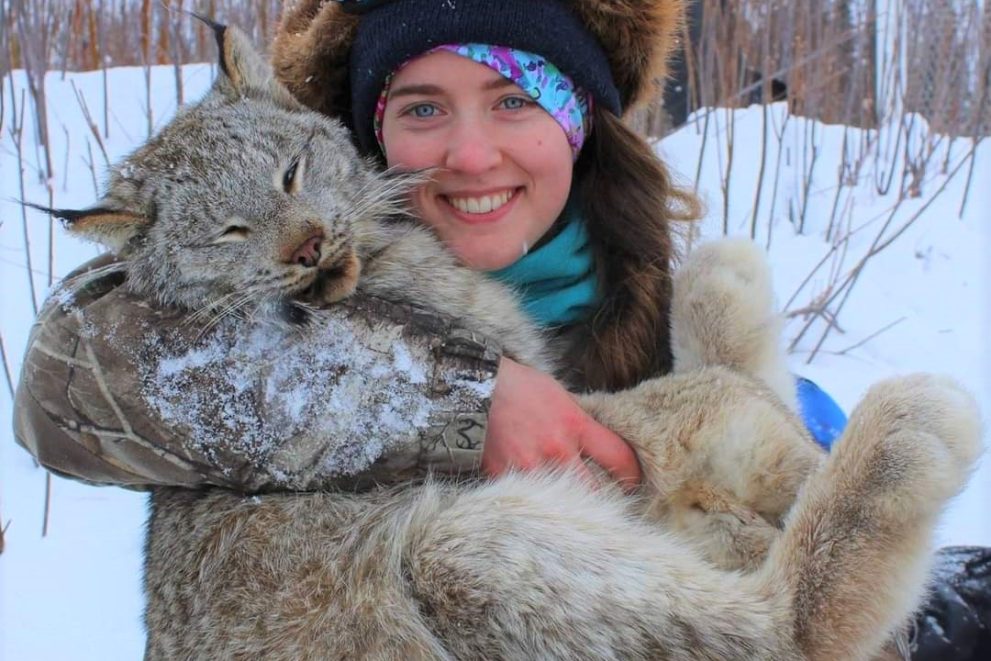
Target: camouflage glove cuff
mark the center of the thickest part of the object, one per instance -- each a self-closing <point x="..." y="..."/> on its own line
<point x="115" y="391"/>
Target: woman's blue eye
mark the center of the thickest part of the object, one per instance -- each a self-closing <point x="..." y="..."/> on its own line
<point x="515" y="102"/>
<point x="423" y="110"/>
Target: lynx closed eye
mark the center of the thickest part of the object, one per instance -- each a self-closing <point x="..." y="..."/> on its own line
<point x="233" y="233"/>
<point x="290" y="180"/>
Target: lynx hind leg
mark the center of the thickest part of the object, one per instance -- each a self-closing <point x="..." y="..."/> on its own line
<point x="722" y="313"/>
<point x="856" y="547"/>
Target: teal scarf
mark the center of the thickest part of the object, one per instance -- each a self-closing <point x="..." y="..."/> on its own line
<point x="557" y="281"/>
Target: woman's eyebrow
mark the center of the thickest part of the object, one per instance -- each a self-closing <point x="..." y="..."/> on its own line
<point x="497" y="83"/>
<point x="409" y="90"/>
<point x="426" y="89"/>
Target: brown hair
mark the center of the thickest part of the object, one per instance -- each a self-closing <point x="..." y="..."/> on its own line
<point x="633" y="210"/>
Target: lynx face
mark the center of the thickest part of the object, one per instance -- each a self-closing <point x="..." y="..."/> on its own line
<point x="246" y="196"/>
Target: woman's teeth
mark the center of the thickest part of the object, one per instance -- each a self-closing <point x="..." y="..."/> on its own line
<point x="485" y="204"/>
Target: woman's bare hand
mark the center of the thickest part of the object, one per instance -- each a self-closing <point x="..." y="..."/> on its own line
<point x="534" y="421"/>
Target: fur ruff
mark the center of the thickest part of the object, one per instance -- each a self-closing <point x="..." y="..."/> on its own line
<point x="313" y="42"/>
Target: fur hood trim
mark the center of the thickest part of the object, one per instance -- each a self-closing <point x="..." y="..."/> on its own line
<point x="313" y="43"/>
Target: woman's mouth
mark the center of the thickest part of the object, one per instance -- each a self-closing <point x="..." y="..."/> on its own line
<point x="481" y="204"/>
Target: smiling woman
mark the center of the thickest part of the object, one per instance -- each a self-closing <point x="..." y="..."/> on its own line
<point x="502" y="163"/>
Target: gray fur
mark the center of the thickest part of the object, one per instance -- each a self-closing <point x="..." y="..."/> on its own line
<point x="527" y="566"/>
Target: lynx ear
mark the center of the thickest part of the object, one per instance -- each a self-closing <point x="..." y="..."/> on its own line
<point x="244" y="67"/>
<point x="111" y="227"/>
<point x="243" y="70"/>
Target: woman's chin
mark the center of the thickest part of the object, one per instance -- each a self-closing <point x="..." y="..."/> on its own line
<point x="488" y="260"/>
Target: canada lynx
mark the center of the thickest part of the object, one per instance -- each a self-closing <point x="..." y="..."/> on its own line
<point x="249" y="199"/>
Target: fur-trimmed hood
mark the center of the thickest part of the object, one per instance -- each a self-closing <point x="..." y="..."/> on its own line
<point x="313" y="42"/>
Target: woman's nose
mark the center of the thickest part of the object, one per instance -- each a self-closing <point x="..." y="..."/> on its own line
<point x="473" y="148"/>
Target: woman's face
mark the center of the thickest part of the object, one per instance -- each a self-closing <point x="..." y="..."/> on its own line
<point x="503" y="164"/>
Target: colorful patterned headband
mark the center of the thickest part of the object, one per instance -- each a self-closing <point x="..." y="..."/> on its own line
<point x="553" y="90"/>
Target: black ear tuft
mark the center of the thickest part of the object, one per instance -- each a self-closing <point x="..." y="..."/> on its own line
<point x="219" y="33"/>
<point x="70" y="217"/>
<point x="111" y="227"/>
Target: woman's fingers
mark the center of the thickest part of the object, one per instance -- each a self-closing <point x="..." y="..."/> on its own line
<point x="610" y="451"/>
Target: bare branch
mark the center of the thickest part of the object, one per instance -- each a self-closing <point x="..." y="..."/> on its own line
<point x="6" y="368"/>
<point x="871" y="336"/>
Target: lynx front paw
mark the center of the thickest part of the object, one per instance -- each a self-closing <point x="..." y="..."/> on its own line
<point x="928" y="431"/>
<point x="722" y="313"/>
<point x="729" y="263"/>
<point x="337" y="279"/>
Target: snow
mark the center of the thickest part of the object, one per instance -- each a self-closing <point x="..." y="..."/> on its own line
<point x="75" y="593"/>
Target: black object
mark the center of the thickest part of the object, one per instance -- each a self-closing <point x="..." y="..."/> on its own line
<point x="956" y="621"/>
<point x="360" y="6"/>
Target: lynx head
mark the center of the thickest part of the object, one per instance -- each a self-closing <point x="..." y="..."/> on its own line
<point x="246" y="197"/>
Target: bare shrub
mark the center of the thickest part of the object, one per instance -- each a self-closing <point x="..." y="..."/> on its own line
<point x="144" y="31"/>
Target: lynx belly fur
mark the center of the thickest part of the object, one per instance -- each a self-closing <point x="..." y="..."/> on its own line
<point x="248" y="201"/>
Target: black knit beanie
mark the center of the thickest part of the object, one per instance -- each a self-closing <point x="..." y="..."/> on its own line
<point x="394" y="31"/>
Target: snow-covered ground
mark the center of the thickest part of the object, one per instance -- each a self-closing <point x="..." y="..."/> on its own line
<point x="75" y="593"/>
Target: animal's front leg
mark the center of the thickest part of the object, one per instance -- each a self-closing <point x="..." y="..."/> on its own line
<point x="722" y="313"/>
<point x="411" y="265"/>
<point x="713" y="427"/>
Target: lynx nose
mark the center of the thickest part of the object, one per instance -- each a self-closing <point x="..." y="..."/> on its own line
<point x="308" y="253"/>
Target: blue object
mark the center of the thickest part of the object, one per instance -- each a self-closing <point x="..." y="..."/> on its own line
<point x="823" y="416"/>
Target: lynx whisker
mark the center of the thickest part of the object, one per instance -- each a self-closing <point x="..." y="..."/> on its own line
<point x="209" y="308"/>
<point x="74" y="285"/>
<point x="232" y="309"/>
<point x="388" y="195"/>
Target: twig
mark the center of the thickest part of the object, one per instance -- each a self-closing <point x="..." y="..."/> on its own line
<point x="705" y="139"/>
<point x="3" y="534"/>
<point x="176" y="50"/>
<point x="876" y="248"/>
<point x="48" y="504"/>
<point x="970" y="177"/>
<point x="726" y="178"/>
<point x="883" y="188"/>
<point x="871" y="336"/>
<point x="811" y="273"/>
<point x="17" y="134"/>
<point x="777" y="176"/>
<point x="809" y="175"/>
<point x="93" y="128"/>
<point x="6" y="368"/>
<point x="760" y="175"/>
<point x="840" y="178"/>
<point x="92" y="167"/>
